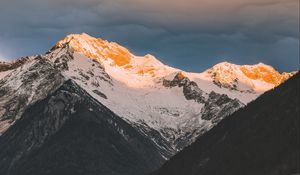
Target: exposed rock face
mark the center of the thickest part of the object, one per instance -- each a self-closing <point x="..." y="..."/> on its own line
<point x="152" y="117"/>
<point x="164" y="146"/>
<point x="61" y="61"/>
<point x="100" y="93"/>
<point x="71" y="133"/>
<point x="24" y="86"/>
<point x="191" y="90"/>
<point x="262" y="139"/>
<point x="179" y="80"/>
<point x="213" y="101"/>
<point x="216" y="107"/>
<point x="62" y="56"/>
<point x="5" y="66"/>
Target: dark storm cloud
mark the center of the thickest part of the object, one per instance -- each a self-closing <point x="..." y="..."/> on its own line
<point x="190" y="34"/>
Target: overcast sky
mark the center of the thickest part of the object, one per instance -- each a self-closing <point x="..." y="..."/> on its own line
<point x="188" y="34"/>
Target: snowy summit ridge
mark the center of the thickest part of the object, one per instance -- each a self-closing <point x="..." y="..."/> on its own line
<point x="117" y="60"/>
<point x="122" y="64"/>
<point x="168" y="105"/>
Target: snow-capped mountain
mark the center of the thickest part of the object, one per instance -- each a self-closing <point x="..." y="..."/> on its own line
<point x="259" y="77"/>
<point x="145" y="71"/>
<point x="168" y="106"/>
<point x="24" y="82"/>
<point x="133" y="86"/>
<point x="262" y="138"/>
<point x="69" y="132"/>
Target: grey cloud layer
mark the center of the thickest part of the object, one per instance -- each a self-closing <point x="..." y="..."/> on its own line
<point x="190" y="34"/>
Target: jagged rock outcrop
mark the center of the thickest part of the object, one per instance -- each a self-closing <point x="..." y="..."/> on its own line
<point x="27" y="84"/>
<point x="109" y="102"/>
<point x="191" y="90"/>
<point x="69" y="132"/>
<point x="5" y="66"/>
<point x="261" y="139"/>
<point x="216" y="107"/>
<point x="219" y="106"/>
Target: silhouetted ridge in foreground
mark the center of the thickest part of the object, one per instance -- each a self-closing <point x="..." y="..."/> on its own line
<point x="260" y="139"/>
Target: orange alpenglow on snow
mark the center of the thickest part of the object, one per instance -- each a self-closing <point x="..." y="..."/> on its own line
<point x="112" y="53"/>
<point x="97" y="48"/>
<point x="258" y="77"/>
<point x="120" y="63"/>
<point x="266" y="73"/>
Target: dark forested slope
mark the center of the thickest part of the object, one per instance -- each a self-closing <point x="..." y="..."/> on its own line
<point x="260" y="139"/>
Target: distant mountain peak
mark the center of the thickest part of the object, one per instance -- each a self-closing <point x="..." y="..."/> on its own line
<point x="260" y="77"/>
<point x="97" y="48"/>
<point x="78" y="78"/>
<point x="129" y="68"/>
<point x="118" y="62"/>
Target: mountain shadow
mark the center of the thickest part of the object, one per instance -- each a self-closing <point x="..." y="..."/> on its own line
<point x="261" y="138"/>
<point x="71" y="133"/>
